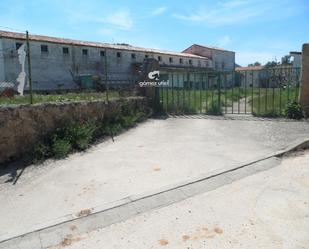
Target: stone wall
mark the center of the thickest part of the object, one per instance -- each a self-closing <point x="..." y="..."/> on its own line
<point x="304" y="89"/>
<point x="22" y="126"/>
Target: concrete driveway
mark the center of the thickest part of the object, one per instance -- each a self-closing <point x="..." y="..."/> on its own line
<point x="155" y="155"/>
<point x="268" y="210"/>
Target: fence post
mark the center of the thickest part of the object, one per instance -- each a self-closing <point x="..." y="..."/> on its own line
<point x="106" y="75"/>
<point x="304" y="87"/>
<point x="29" y="67"/>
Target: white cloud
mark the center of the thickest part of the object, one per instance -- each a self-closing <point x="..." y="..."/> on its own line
<point x="220" y="16"/>
<point x="121" y="19"/>
<point x="158" y="11"/>
<point x="224" y="41"/>
<point x="231" y="12"/>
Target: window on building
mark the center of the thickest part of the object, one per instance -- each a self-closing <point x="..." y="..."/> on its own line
<point x="146" y="56"/>
<point x="65" y="50"/>
<point x="171" y="59"/>
<point x="159" y="58"/>
<point x="118" y="54"/>
<point x="190" y="62"/>
<point x="44" y="48"/>
<point x="180" y="60"/>
<point x="207" y="64"/>
<point x="102" y="53"/>
<point x="85" y="51"/>
<point x="18" y="45"/>
<point x="223" y="65"/>
<point x="216" y="65"/>
<point x="133" y="56"/>
<point x="199" y="63"/>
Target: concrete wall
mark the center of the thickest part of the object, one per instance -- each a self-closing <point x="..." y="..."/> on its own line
<point x="304" y="88"/>
<point x="297" y="59"/>
<point x="22" y="126"/>
<point x="249" y="78"/>
<point x="222" y="60"/>
<point x="51" y="70"/>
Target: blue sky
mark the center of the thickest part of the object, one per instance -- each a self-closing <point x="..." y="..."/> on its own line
<point x="256" y="30"/>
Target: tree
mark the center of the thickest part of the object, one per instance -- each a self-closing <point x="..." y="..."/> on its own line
<point x="271" y="64"/>
<point x="254" y="64"/>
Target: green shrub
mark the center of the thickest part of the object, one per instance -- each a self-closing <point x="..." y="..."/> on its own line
<point x="293" y="110"/>
<point x="214" y="109"/>
<point x="115" y="128"/>
<point x="79" y="134"/>
<point x="41" y="151"/>
<point x="61" y="148"/>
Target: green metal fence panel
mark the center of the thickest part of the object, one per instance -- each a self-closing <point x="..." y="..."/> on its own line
<point x="263" y="92"/>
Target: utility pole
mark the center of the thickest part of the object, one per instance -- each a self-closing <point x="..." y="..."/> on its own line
<point x="29" y="67"/>
<point x="106" y="78"/>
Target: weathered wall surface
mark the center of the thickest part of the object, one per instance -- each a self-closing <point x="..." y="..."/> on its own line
<point x="304" y="89"/>
<point x="51" y="69"/>
<point x="22" y="126"/>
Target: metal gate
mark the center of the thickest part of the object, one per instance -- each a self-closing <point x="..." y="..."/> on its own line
<point x="264" y="92"/>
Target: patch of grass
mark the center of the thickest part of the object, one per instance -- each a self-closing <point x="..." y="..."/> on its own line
<point x="58" y="98"/>
<point x="267" y="102"/>
<point x="272" y="102"/>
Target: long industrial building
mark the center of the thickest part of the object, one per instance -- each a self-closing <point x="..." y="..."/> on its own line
<point x="56" y="62"/>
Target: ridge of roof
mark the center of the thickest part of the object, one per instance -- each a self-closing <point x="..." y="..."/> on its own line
<point x="210" y="47"/>
<point x="15" y="35"/>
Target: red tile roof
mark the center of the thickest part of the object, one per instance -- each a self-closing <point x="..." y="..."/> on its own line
<point x="209" y="47"/>
<point x="42" y="38"/>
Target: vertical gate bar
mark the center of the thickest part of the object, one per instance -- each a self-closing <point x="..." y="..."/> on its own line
<point x="288" y="86"/>
<point x="167" y="97"/>
<point x="194" y="90"/>
<point x="280" y="92"/>
<point x="233" y="85"/>
<point x="219" y="91"/>
<point x="259" y="94"/>
<point x="173" y="105"/>
<point x="178" y="92"/>
<point x="296" y="83"/>
<point x="246" y="92"/>
<point x="225" y="92"/>
<point x="267" y="84"/>
<point x="201" y="86"/>
<point x="212" y="97"/>
<point x="162" y="99"/>
<point x="207" y="91"/>
<point x="273" y="110"/>
<point x="252" y="83"/>
<point x="183" y="93"/>
<point x="189" y="92"/>
<point x="239" y="95"/>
